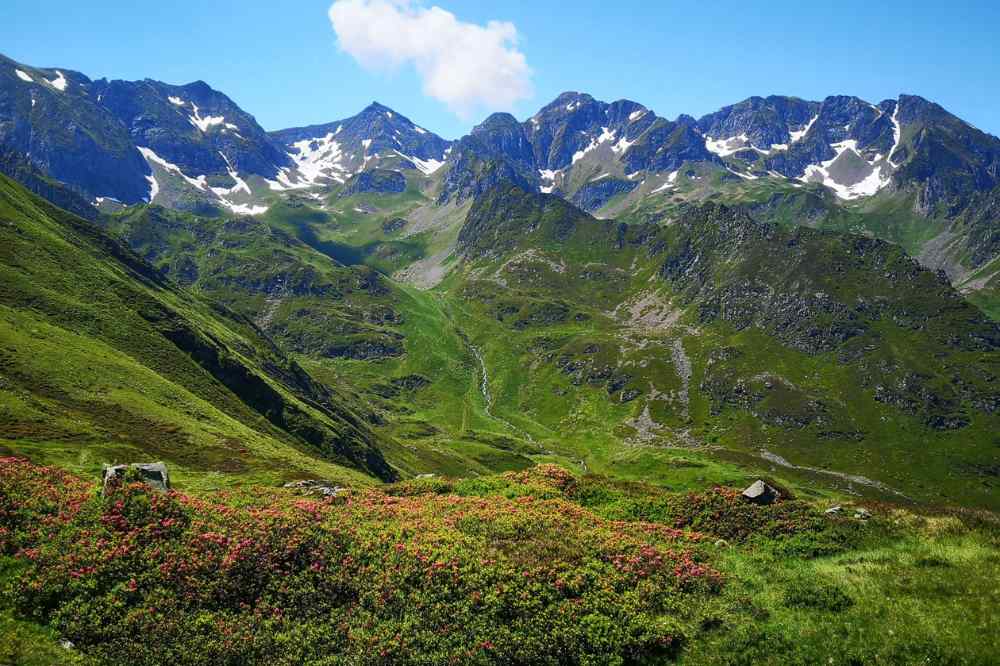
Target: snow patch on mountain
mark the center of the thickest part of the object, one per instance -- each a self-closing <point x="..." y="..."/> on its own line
<point x="240" y="185"/>
<point x="318" y="158"/>
<point x="204" y="124"/>
<point x="669" y="184"/>
<point x="152" y="158"/>
<point x="872" y="182"/>
<point x="23" y="76"/>
<point x="607" y="135"/>
<point x="176" y="101"/>
<point x="869" y="186"/>
<point x="725" y="147"/>
<point x="744" y="176"/>
<point x="797" y="135"/>
<point x="245" y="209"/>
<point x="622" y="145"/>
<point x="59" y="83"/>
<point x="734" y="144"/>
<point x="548" y="176"/>
<point x="283" y="182"/>
<point x="635" y="115"/>
<point x="154" y="188"/>
<point x="426" y="167"/>
<point x="222" y="194"/>
<point x="897" y="134"/>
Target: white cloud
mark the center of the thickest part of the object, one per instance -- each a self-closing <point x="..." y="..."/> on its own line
<point x="464" y="65"/>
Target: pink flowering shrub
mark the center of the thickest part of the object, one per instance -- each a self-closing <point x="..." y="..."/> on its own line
<point x="270" y="576"/>
<point x="789" y="527"/>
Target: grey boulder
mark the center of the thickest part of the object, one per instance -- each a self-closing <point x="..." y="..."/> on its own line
<point x="760" y="492"/>
<point x="154" y="474"/>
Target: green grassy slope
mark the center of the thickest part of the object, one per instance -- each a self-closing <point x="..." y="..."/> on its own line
<point x="395" y="352"/>
<point x="103" y="360"/>
<point x="988" y="300"/>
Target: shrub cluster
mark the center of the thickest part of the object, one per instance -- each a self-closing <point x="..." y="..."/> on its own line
<point x="788" y="527"/>
<point x="269" y="576"/>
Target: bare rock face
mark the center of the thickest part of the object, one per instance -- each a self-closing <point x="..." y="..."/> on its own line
<point x="760" y="492"/>
<point x="154" y="474"/>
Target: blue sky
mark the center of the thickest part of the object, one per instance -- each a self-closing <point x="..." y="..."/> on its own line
<point x="282" y="62"/>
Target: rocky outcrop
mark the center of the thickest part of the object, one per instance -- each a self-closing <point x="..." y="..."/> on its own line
<point x="375" y="181"/>
<point x="595" y="195"/>
<point x="495" y="151"/>
<point x="154" y="475"/>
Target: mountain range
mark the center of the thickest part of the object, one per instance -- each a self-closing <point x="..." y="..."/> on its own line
<point x="192" y="148"/>
<point x="800" y="280"/>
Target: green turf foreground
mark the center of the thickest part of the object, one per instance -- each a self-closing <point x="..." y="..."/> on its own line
<point x="531" y="567"/>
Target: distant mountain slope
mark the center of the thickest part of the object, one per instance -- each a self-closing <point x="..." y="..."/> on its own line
<point x="836" y="352"/>
<point x="193" y="126"/>
<point x="20" y="169"/>
<point x="851" y="146"/>
<point x="105" y="360"/>
<point x="126" y="140"/>
<point x="67" y="134"/>
<point x="904" y="169"/>
<point x="307" y="302"/>
<point x="497" y="149"/>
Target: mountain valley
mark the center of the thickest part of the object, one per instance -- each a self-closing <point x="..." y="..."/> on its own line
<point x="597" y="315"/>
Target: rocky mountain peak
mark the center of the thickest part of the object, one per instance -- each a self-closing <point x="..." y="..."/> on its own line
<point x="496" y="121"/>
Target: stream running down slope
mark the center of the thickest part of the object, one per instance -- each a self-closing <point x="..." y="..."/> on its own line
<point x="484" y="388"/>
